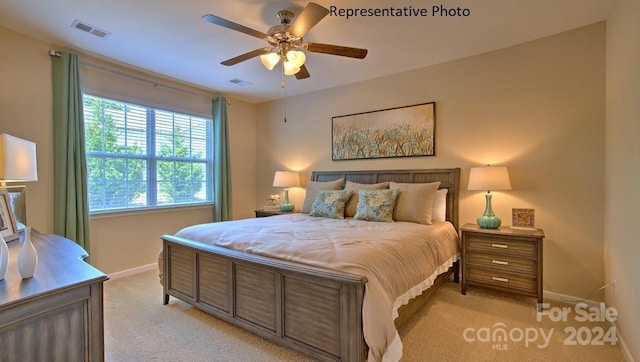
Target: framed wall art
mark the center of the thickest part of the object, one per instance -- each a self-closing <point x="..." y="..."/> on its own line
<point x="8" y="227"/>
<point x="407" y="131"/>
<point x="523" y="219"/>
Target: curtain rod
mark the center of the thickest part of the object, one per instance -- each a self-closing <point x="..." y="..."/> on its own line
<point x="55" y="53"/>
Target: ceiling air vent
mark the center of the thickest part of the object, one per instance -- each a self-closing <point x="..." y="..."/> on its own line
<point x="80" y="25"/>
<point x="240" y="82"/>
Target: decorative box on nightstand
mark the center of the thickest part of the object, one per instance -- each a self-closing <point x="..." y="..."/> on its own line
<point x="504" y="259"/>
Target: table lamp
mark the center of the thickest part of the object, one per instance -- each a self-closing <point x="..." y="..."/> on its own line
<point x="489" y="178"/>
<point x="286" y="179"/>
<point x="17" y="163"/>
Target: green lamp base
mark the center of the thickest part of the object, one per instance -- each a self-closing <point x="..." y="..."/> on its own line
<point x="286" y="206"/>
<point x="488" y="220"/>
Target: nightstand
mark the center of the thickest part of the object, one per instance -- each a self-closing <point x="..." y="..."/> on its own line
<point x="266" y="213"/>
<point x="504" y="259"/>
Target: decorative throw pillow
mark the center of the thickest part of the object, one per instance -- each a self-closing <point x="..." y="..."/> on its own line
<point x="330" y="204"/>
<point x="376" y="205"/>
<point x="415" y="201"/>
<point x="312" y="189"/>
<point x="350" y="209"/>
<point x="439" y="210"/>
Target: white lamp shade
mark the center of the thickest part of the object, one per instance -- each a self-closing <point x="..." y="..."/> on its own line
<point x="489" y="178"/>
<point x="286" y="179"/>
<point x="270" y="60"/>
<point x="296" y="58"/>
<point x="17" y="159"/>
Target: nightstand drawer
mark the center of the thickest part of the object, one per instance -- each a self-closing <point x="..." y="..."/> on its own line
<point x="503" y="262"/>
<point x="491" y="244"/>
<point x="501" y="279"/>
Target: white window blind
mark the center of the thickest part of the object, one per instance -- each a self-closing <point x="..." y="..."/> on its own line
<point x="141" y="157"/>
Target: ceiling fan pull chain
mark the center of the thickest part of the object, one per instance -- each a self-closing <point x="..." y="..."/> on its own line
<point x="284" y="90"/>
<point x="285" y="107"/>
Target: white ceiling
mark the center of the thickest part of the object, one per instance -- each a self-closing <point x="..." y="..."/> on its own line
<point x="169" y="38"/>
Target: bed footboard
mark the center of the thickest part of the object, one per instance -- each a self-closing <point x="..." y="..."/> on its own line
<point x="314" y="310"/>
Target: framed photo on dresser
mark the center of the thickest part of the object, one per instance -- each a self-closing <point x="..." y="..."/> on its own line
<point x="8" y="227"/>
<point x="524" y="219"/>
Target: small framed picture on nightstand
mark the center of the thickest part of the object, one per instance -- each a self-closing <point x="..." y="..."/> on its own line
<point x="524" y="219"/>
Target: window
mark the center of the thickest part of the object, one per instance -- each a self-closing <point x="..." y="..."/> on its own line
<point x="141" y="157"/>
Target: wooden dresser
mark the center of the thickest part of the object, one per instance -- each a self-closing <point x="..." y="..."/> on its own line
<point x="504" y="259"/>
<point x="58" y="314"/>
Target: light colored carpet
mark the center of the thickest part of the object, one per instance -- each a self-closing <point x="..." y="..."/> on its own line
<point x="139" y="328"/>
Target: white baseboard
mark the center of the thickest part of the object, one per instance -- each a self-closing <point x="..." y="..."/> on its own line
<point x="132" y="271"/>
<point x="570" y="299"/>
<point x="623" y="346"/>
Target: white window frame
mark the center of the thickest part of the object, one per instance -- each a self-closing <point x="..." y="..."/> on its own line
<point x="152" y="160"/>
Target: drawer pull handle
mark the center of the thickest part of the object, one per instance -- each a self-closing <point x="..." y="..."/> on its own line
<point x="498" y="279"/>
<point x="500" y="262"/>
<point x="501" y="246"/>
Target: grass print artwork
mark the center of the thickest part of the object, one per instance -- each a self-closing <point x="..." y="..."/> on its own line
<point x="396" y="132"/>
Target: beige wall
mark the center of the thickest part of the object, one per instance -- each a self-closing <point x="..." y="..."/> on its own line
<point x="129" y="240"/>
<point x="537" y="107"/>
<point x="622" y="171"/>
<point x="25" y="102"/>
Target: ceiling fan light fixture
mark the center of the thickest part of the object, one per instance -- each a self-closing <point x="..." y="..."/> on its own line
<point x="296" y="58"/>
<point x="285" y="41"/>
<point x="290" y="68"/>
<point x="270" y="60"/>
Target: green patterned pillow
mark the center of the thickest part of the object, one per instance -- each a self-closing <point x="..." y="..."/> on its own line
<point x="312" y="190"/>
<point x="350" y="209"/>
<point x="330" y="204"/>
<point x="376" y="205"/>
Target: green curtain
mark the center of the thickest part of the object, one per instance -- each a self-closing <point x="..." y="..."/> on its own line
<point x="221" y="164"/>
<point x="70" y="208"/>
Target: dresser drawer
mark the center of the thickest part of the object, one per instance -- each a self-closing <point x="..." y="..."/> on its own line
<point x="493" y="245"/>
<point x="504" y="263"/>
<point x="501" y="279"/>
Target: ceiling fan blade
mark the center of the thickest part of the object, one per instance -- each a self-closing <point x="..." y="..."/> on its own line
<point x="233" y="26"/>
<point x="245" y="56"/>
<point x="336" y="50"/>
<point x="303" y="73"/>
<point x="307" y="19"/>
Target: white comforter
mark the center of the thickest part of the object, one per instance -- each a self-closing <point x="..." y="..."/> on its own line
<point x="399" y="259"/>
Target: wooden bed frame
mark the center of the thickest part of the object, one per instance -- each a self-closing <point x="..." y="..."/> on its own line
<point x="313" y="310"/>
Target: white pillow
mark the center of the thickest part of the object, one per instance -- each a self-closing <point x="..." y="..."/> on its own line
<point x="439" y="212"/>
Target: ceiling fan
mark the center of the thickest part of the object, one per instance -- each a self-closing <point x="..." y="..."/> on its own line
<point x="286" y="41"/>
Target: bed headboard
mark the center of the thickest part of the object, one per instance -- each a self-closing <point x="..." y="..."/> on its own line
<point x="449" y="179"/>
